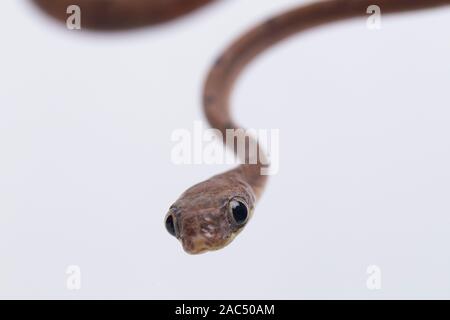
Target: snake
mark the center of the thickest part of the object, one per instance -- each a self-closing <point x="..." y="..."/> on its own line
<point x="209" y="215"/>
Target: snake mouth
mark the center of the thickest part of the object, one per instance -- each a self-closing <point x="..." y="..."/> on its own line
<point x="198" y="244"/>
<point x="195" y="245"/>
<point x="197" y="252"/>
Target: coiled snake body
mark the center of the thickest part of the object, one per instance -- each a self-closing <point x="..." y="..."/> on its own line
<point x="209" y="215"/>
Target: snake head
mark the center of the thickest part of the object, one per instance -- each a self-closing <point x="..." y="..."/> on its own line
<point x="209" y="215"/>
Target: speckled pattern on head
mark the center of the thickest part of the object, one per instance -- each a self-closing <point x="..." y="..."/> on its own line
<point x="202" y="213"/>
<point x="209" y="215"/>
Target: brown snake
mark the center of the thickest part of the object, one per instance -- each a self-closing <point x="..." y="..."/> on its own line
<point x="209" y="215"/>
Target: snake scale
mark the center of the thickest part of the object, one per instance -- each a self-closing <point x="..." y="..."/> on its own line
<point x="209" y="215"/>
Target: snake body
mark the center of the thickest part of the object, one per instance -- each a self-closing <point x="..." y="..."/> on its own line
<point x="209" y="215"/>
<point x="121" y="14"/>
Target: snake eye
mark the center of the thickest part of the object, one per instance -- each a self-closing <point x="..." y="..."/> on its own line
<point x="239" y="212"/>
<point x="170" y="225"/>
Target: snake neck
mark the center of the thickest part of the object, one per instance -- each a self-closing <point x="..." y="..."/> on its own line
<point x="227" y="68"/>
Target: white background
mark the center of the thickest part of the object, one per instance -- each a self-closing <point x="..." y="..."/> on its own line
<point x="86" y="176"/>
